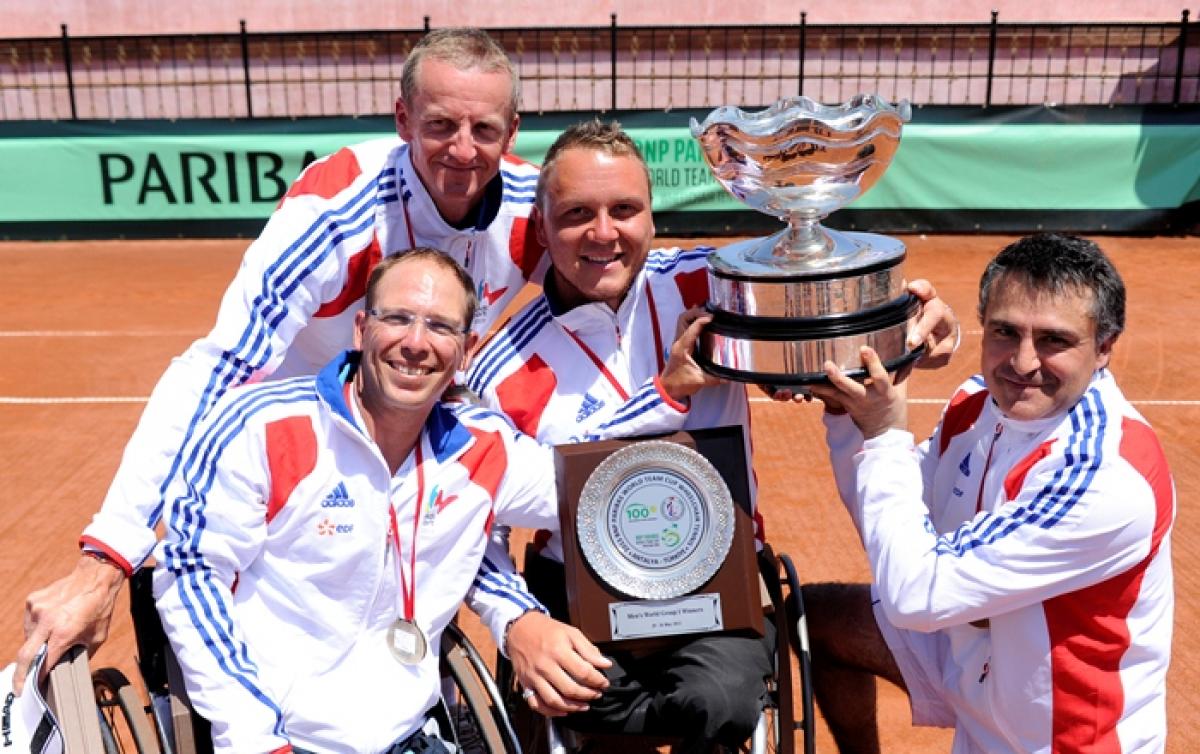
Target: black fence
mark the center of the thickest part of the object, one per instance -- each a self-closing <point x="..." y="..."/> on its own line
<point x="355" y="73"/>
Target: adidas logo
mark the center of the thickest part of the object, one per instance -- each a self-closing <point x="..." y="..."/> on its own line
<point x="339" y="498"/>
<point x="589" y="406"/>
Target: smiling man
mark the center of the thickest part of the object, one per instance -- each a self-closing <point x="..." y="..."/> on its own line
<point x="606" y="352"/>
<point x="329" y="641"/>
<point x="1021" y="556"/>
<point x="450" y="182"/>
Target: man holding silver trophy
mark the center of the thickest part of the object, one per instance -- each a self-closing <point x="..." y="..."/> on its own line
<point x="610" y="350"/>
<point x="1021" y="556"/>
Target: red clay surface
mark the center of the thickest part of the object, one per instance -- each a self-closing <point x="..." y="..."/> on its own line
<point x="86" y="329"/>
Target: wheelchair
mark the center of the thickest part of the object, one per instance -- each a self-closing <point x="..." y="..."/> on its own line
<point x="472" y="715"/>
<point x="779" y="730"/>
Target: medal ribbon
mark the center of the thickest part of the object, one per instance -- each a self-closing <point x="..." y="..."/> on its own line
<point x="412" y="241"/>
<point x="408" y="591"/>
<point x="612" y="380"/>
<point x="658" y="348"/>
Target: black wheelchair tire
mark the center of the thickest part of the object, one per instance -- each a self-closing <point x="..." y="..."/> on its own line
<point x="478" y="719"/>
<point x="123" y="717"/>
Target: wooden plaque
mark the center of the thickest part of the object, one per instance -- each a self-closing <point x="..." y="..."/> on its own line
<point x="591" y="599"/>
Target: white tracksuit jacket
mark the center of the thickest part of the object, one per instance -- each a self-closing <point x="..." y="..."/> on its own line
<point x="290" y="308"/>
<point x="1065" y="551"/>
<point x="278" y="577"/>
<point x="535" y="371"/>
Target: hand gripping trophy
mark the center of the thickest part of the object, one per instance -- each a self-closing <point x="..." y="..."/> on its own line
<point x="784" y="304"/>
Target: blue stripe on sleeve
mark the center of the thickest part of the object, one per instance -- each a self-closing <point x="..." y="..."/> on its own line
<point x="269" y="308"/>
<point x="1083" y="458"/>
<point x="507" y="345"/>
<point x="199" y="593"/>
<point x="645" y="400"/>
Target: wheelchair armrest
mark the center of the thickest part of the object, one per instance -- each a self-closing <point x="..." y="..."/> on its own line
<point x="70" y="697"/>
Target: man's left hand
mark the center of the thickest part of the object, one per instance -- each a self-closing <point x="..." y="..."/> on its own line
<point x="937" y="327"/>
<point x="876" y="404"/>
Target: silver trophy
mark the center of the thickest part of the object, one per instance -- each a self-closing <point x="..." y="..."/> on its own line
<point x="785" y="304"/>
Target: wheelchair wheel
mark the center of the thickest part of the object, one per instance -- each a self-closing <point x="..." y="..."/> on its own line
<point x="768" y="736"/>
<point x="124" y="722"/>
<point x="478" y="721"/>
<point x="798" y="631"/>
<point x="531" y="729"/>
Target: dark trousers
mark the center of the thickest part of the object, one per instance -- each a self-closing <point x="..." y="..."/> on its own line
<point x="707" y="690"/>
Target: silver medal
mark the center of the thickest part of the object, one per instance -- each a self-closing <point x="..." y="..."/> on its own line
<point x="406" y="642"/>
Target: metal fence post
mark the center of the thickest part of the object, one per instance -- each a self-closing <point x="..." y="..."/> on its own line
<point x="66" y="53"/>
<point x="246" y="68"/>
<point x="1183" y="28"/>
<point x="987" y="100"/>
<point x="803" y="51"/>
<point x="612" y="43"/>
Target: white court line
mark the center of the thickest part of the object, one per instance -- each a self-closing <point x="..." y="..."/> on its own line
<point x="18" y="400"/>
<point x="153" y="333"/>
<point x="96" y="333"/>
<point x="942" y="402"/>
<point x="84" y="400"/>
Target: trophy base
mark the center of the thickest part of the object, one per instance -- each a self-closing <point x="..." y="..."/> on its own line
<point x="798" y="383"/>
<point x="866" y="273"/>
<point x="790" y="352"/>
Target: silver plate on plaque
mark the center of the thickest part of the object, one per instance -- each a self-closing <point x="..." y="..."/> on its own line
<point x="655" y="520"/>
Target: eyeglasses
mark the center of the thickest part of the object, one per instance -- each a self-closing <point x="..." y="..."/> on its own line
<point x="400" y="321"/>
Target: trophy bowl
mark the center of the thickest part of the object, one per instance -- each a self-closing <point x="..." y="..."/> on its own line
<point x="785" y="304"/>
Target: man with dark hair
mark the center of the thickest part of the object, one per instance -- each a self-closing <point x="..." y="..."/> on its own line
<point x="1021" y="556"/>
<point x="329" y="642"/>
<point x="606" y="352"/>
<point x="449" y="182"/>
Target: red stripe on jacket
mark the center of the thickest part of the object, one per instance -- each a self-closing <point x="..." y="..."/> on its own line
<point x="523" y="395"/>
<point x="486" y="461"/>
<point x="1015" y="479"/>
<point x="325" y="178"/>
<point x="523" y="247"/>
<point x="358" y="269"/>
<point x="960" y="416"/>
<point x="291" y="456"/>
<point x="693" y="287"/>
<point x="1089" y="632"/>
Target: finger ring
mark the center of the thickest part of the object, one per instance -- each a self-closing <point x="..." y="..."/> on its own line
<point x="528" y="694"/>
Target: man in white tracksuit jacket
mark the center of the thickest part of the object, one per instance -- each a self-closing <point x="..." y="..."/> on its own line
<point x="320" y="515"/>
<point x="606" y="352"/>
<point x="450" y="183"/>
<point x="1021" y="556"/>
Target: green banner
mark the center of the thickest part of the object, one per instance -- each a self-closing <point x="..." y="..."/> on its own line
<point x="1041" y="167"/>
<point x="218" y="176"/>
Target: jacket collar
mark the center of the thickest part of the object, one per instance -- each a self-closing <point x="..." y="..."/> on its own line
<point x="446" y="434"/>
<point x="595" y="313"/>
<point x="419" y="202"/>
<point x="1046" y="424"/>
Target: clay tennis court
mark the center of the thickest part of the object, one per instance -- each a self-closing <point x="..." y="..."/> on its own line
<point x="86" y="329"/>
